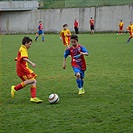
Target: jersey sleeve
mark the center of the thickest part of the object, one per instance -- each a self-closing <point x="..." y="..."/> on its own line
<point x="24" y="53"/>
<point x="66" y="53"/>
<point x="60" y="33"/>
<point x="83" y="49"/>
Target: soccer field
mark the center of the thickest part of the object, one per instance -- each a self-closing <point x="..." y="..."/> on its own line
<point x="106" y="107"/>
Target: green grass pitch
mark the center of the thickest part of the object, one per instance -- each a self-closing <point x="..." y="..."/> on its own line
<point x="106" y="107"/>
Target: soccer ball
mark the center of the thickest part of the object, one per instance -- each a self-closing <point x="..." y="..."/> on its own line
<point x="53" y="98"/>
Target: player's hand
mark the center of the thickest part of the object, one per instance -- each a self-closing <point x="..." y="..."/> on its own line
<point x="64" y="66"/>
<point x="81" y="53"/>
<point x="67" y="35"/>
<point x="60" y="38"/>
<point x="15" y="59"/>
<point x="33" y="65"/>
<point x="77" y="56"/>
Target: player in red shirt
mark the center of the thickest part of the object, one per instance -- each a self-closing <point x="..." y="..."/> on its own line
<point x="92" y="26"/>
<point x="76" y="26"/>
<point x="77" y="52"/>
<point x="24" y="72"/>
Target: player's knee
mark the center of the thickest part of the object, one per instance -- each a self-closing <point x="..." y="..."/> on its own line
<point x="32" y="81"/>
<point x="78" y="75"/>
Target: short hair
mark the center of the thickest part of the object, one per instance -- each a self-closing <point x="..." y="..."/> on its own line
<point x="40" y="21"/>
<point x="75" y="37"/>
<point x="26" y="40"/>
<point x="65" y="25"/>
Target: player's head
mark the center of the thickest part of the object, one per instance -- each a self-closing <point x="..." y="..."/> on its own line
<point x="40" y="22"/>
<point x="65" y="26"/>
<point x="26" y="41"/>
<point x="91" y="17"/>
<point x="74" y="40"/>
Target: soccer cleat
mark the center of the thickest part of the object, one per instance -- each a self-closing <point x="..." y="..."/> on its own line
<point x="81" y="91"/>
<point x="12" y="91"/>
<point x="36" y="100"/>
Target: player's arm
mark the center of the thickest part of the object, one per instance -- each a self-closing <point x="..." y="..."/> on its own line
<point x="64" y="63"/>
<point x="69" y="33"/>
<point x="66" y="53"/>
<point x="60" y="35"/>
<point x="84" y="51"/>
<point x="30" y="62"/>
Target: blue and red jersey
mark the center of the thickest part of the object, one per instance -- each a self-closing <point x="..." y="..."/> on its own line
<point x="40" y="27"/>
<point x="78" y="60"/>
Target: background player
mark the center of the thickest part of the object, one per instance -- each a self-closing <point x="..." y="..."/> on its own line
<point x="77" y="52"/>
<point x="76" y="26"/>
<point x="92" y="26"/>
<point x="40" y="31"/>
<point x="65" y="35"/>
<point x="121" y="25"/>
<point x="24" y="72"/>
<point x="130" y="29"/>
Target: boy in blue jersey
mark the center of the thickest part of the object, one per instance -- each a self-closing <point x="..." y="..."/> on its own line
<point x="40" y="31"/>
<point x="77" y="52"/>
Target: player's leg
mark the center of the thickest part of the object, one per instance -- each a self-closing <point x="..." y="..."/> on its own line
<point x="78" y="80"/>
<point x="37" y="35"/>
<point x="82" y="80"/>
<point x="93" y="29"/>
<point x="20" y="86"/>
<point x="33" y="93"/>
<point x="76" y="30"/>
<point x="131" y="36"/>
<point x="67" y="42"/>
<point x="26" y="80"/>
<point x="42" y="35"/>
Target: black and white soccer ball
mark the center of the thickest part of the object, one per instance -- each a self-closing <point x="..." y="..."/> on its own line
<point x="53" y="98"/>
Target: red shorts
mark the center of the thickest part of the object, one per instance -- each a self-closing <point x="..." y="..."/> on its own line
<point x="28" y="76"/>
<point x="121" y="27"/>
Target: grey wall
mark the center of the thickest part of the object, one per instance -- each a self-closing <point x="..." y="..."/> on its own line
<point x="106" y="19"/>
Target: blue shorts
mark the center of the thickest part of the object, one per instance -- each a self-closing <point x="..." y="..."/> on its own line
<point x="40" y="32"/>
<point x="77" y="70"/>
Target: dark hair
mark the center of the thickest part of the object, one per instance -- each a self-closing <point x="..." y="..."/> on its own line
<point x="65" y="25"/>
<point x="75" y="37"/>
<point x="26" y="40"/>
<point x="40" y="21"/>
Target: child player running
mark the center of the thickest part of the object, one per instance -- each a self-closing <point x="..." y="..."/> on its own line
<point x="65" y="35"/>
<point x="24" y="72"/>
<point x="77" y="52"/>
<point x="130" y="29"/>
<point x="40" y="31"/>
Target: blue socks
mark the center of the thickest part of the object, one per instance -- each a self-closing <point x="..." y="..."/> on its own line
<point x="82" y="82"/>
<point x="42" y="38"/>
<point x="79" y="83"/>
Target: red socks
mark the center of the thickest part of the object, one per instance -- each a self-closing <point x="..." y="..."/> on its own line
<point x="19" y="86"/>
